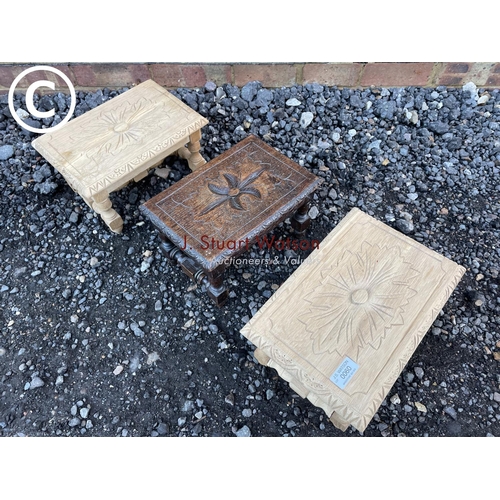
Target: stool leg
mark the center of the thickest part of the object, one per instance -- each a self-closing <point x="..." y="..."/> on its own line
<point x="212" y="280"/>
<point x="216" y="289"/>
<point x="195" y="159"/>
<point x="102" y="205"/>
<point x="301" y="219"/>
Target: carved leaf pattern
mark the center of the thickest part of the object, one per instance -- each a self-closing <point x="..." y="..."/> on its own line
<point x="234" y="190"/>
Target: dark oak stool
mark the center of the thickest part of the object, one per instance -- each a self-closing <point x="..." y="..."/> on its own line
<point x="222" y="209"/>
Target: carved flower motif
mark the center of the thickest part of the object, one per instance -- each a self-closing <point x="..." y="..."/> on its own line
<point x="359" y="299"/>
<point x="234" y="190"/>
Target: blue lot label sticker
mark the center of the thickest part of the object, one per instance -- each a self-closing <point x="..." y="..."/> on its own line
<point x="344" y="372"/>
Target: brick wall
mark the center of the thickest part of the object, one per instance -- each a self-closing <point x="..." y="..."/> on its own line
<point x="88" y="76"/>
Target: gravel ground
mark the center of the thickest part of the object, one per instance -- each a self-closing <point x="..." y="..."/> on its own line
<point x="101" y="336"/>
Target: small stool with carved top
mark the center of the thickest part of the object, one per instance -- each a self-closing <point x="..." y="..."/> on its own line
<point x="104" y="149"/>
<point x="220" y="210"/>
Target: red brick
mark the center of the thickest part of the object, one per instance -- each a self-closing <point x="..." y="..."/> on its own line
<point x="6" y="76"/>
<point x="493" y="81"/>
<point x="110" y="75"/>
<point x="270" y="75"/>
<point x="341" y="75"/>
<point x="167" y="75"/>
<point x="84" y="75"/>
<point x="457" y="67"/>
<point x="179" y="75"/>
<point x="9" y="73"/>
<point x="396" y="74"/>
<point x="218" y="73"/>
<point x="193" y="76"/>
<point x="450" y="80"/>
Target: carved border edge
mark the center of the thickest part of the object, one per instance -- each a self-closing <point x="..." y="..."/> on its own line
<point x="412" y="345"/>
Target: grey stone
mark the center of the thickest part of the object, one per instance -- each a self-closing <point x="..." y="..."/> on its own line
<point x="243" y="432"/>
<point x="42" y="173"/>
<point x="36" y="382"/>
<point x="6" y="152"/>
<point x="60" y="101"/>
<point x="22" y="114"/>
<point x="438" y="127"/>
<point x="249" y="91"/>
<point x="19" y="271"/>
<point x="472" y="89"/>
<point x="247" y="412"/>
<point x="45" y="187"/>
<point x="74" y="422"/>
<point x="374" y="145"/>
<point x="405" y="226"/>
<point x="137" y="331"/>
<point x="451" y="412"/>
<point x="306" y="118"/>
<point x="84" y="412"/>
<point x="32" y="123"/>
<point x="313" y="212"/>
<point x="385" y="109"/>
<point x="95" y="99"/>
<point x="162" y="429"/>
<point x="188" y="406"/>
<point x="315" y="87"/>
<point x="356" y="101"/>
<point x="332" y="194"/>
<point x="210" y="86"/>
<point x="293" y="102"/>
<point x="264" y="97"/>
<point x="419" y="372"/>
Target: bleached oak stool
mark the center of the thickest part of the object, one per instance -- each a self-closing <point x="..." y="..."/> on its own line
<point x="341" y="329"/>
<point x="225" y="207"/>
<point x="119" y="141"/>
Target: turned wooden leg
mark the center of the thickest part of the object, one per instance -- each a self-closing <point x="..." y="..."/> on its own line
<point x="216" y="289"/>
<point x="183" y="153"/>
<point x="195" y="159"/>
<point x="102" y="205"/>
<point x="212" y="280"/>
<point x="301" y="219"/>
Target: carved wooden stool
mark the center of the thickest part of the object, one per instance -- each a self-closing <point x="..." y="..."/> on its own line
<point x="341" y="329"/>
<point x="222" y="209"/>
<point x="119" y="141"/>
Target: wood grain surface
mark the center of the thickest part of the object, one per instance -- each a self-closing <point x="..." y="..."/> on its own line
<point x="353" y="313"/>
